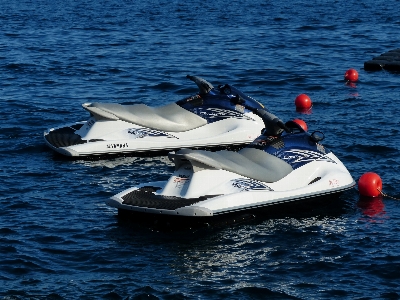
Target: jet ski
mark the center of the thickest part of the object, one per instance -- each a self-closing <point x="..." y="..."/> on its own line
<point x="205" y="120"/>
<point x="283" y="167"/>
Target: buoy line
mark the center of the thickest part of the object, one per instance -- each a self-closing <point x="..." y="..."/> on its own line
<point x="386" y="195"/>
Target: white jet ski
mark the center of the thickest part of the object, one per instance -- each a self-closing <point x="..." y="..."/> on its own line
<point x="206" y="120"/>
<point x="278" y="170"/>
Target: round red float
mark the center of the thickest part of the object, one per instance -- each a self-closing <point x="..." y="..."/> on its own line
<point x="370" y="185"/>
<point x="301" y="123"/>
<point x="351" y="75"/>
<point x="302" y="101"/>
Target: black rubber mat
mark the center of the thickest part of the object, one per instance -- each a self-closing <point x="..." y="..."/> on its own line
<point x="64" y="137"/>
<point x="145" y="197"/>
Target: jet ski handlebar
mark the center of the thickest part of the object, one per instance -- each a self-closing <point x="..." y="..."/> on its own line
<point x="273" y="125"/>
<point x="271" y="121"/>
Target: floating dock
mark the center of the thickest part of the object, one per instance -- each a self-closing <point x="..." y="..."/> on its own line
<point x="389" y="61"/>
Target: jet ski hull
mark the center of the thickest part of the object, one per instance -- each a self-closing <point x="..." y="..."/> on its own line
<point x="209" y="196"/>
<point x="296" y="207"/>
<point x="95" y="137"/>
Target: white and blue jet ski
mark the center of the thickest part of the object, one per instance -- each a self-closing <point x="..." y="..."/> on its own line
<point x="205" y="120"/>
<point x="284" y="166"/>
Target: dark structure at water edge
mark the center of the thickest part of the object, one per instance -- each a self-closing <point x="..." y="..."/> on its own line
<point x="389" y="61"/>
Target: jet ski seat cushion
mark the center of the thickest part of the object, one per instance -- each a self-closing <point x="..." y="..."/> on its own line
<point x="249" y="162"/>
<point x="170" y="117"/>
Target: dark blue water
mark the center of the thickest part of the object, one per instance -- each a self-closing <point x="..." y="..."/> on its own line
<point x="58" y="240"/>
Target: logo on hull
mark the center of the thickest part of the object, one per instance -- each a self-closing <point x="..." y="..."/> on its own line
<point x="246" y="184"/>
<point x="299" y="157"/>
<point x="143" y="132"/>
<point x="181" y="180"/>
<point x="212" y="114"/>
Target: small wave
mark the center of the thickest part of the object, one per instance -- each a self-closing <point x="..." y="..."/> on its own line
<point x="113" y="295"/>
<point x="22" y="205"/>
<point x="12" y="34"/>
<point x="18" y="66"/>
<point x="22" y="267"/>
<point x="163" y="86"/>
<point x="261" y="293"/>
<point x="279" y="19"/>
<point x="55" y="251"/>
<point x="16" y="294"/>
<point x="114" y="70"/>
<point x="23" y="148"/>
<point x="335" y="293"/>
<point x="355" y="21"/>
<point x="7" y="231"/>
<point x="8" y="249"/>
<point x="307" y="27"/>
<point x="31" y="281"/>
<point x="146" y="291"/>
<point x="385" y="271"/>
<point x="376" y="149"/>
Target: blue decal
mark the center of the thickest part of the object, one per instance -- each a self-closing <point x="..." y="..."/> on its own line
<point x="213" y="114"/>
<point x="296" y="149"/>
<point x="246" y="184"/>
<point x="298" y="157"/>
<point x="219" y="98"/>
<point x="144" y="132"/>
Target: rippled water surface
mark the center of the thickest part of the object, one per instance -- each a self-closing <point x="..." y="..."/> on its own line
<point x="58" y="239"/>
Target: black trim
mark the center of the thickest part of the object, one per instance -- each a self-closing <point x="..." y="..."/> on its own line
<point x="64" y="137"/>
<point x="299" y="207"/>
<point x="77" y="126"/>
<point x="145" y="197"/>
<point x="285" y="202"/>
<point x="147" y="153"/>
<point x="314" y="180"/>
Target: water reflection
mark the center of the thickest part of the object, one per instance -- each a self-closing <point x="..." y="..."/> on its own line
<point x="126" y="161"/>
<point x="255" y="246"/>
<point x="115" y="175"/>
<point x="304" y="111"/>
<point x="351" y="84"/>
<point x="259" y="253"/>
<point x="372" y="207"/>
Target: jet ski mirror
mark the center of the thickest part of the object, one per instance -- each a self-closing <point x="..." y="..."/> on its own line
<point x="317" y="136"/>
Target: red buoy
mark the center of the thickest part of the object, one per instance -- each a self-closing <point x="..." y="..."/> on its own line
<point x="301" y="123"/>
<point x="302" y="101"/>
<point x="351" y="75"/>
<point x="370" y="185"/>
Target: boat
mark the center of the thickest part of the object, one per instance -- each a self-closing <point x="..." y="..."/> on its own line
<point x="205" y="120"/>
<point x="285" y="167"/>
